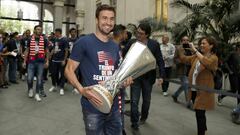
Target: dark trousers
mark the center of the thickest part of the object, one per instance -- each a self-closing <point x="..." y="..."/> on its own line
<point x="140" y="85"/>
<point x="165" y="84"/>
<point x="1" y="74"/>
<point x="58" y="74"/>
<point x="194" y="95"/>
<point x="235" y="85"/>
<point x="21" y="70"/>
<point x="12" y="70"/>
<point x="201" y="121"/>
<point x="45" y="74"/>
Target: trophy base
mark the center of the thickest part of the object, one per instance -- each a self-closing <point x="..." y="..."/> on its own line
<point x="106" y="98"/>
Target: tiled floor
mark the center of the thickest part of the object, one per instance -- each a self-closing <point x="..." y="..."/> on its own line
<point x="61" y="115"/>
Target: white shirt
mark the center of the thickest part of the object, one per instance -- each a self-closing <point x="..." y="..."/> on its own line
<point x="195" y="74"/>
<point x="168" y="52"/>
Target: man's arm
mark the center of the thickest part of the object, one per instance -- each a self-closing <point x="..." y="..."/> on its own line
<point x="25" y="57"/>
<point x="21" y="48"/>
<point x="46" y="58"/>
<point x="72" y="78"/>
<point x="159" y="60"/>
<point x="46" y="43"/>
<point x="66" y="53"/>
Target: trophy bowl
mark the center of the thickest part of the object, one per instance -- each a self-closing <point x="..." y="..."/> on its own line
<point x="105" y="96"/>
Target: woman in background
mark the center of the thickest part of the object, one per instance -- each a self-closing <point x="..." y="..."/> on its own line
<point x="203" y="64"/>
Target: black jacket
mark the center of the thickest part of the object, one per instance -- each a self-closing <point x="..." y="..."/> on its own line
<point x="11" y="46"/>
<point x="154" y="47"/>
<point x="233" y="63"/>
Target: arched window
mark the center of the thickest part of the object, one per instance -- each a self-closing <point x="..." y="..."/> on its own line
<point x="47" y="26"/>
<point x="19" y="16"/>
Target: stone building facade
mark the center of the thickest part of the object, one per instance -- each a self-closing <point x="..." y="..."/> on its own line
<point x="81" y="13"/>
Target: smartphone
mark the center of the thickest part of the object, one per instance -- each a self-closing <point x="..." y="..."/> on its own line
<point x="186" y="46"/>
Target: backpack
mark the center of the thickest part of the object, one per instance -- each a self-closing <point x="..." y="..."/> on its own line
<point x="218" y="79"/>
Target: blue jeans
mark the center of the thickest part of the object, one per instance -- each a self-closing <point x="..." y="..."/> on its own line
<point x="35" y="67"/>
<point x="183" y="87"/>
<point x="140" y="85"/>
<point x="102" y="124"/>
<point x="12" y="70"/>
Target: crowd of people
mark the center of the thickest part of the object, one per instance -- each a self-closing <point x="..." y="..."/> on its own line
<point x="77" y="60"/>
<point x="35" y="57"/>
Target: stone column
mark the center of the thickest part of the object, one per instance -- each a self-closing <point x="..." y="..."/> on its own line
<point x="58" y="13"/>
<point x="89" y="20"/>
<point x="165" y="11"/>
<point x="80" y="20"/>
<point x="121" y="12"/>
<point x="80" y="14"/>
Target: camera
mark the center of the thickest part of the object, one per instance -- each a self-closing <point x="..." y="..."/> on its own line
<point x="186" y="46"/>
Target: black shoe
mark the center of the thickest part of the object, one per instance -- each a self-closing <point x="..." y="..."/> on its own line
<point x="124" y="132"/>
<point x="175" y="99"/>
<point x="219" y="102"/>
<point x="190" y="105"/>
<point x="14" y="82"/>
<point x="43" y="94"/>
<point x="7" y="84"/>
<point x="135" y="127"/>
<point x="4" y="86"/>
<point x="127" y="113"/>
<point x="142" y="121"/>
<point x="127" y="101"/>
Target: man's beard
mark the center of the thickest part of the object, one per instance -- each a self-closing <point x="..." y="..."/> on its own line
<point x="38" y="34"/>
<point x="103" y="32"/>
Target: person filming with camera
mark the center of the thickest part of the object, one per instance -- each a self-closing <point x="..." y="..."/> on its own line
<point x="182" y="69"/>
<point x="203" y="64"/>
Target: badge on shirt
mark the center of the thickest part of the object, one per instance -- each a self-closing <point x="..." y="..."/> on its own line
<point x="70" y="46"/>
<point x="36" y="48"/>
<point x="56" y="47"/>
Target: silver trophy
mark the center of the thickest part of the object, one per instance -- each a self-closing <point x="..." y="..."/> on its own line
<point x="137" y="62"/>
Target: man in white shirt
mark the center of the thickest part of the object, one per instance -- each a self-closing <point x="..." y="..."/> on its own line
<point x="168" y="51"/>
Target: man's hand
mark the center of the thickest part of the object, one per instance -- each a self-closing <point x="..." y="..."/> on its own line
<point x="128" y="82"/>
<point x="164" y="57"/>
<point x="24" y="65"/>
<point x="91" y="96"/>
<point x="192" y="47"/>
<point x="63" y="63"/>
<point x="23" y="56"/>
<point x="46" y="64"/>
<point x="159" y="81"/>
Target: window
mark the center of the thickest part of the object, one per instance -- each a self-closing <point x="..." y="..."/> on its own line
<point x="113" y="3"/>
